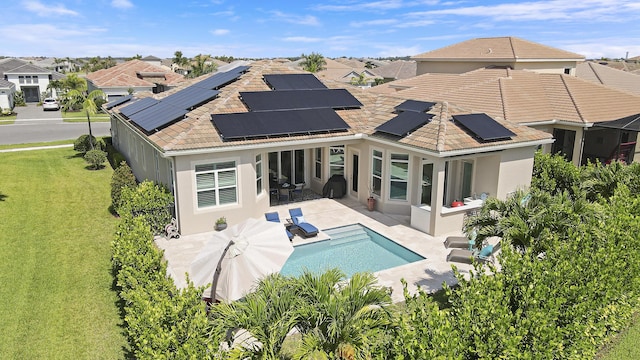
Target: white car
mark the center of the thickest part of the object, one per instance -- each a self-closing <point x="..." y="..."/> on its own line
<point x="50" y="104"/>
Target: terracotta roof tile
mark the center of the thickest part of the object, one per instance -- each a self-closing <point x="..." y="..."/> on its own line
<point x="605" y="75"/>
<point x="127" y="74"/>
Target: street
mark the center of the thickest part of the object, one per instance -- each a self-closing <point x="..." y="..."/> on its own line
<point x="35" y="125"/>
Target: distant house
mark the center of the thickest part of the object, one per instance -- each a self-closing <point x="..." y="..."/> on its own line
<point x="345" y="70"/>
<point x="608" y="76"/>
<point x="500" y="52"/>
<point x="219" y="147"/>
<point x="152" y="60"/>
<point x="32" y="80"/>
<point x="396" y="70"/>
<point x="7" y="93"/>
<point x="133" y="75"/>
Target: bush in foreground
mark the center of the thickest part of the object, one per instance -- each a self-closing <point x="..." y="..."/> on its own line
<point x="122" y="178"/>
<point x="95" y="158"/>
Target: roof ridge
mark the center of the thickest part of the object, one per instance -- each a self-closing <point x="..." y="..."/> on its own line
<point x="502" y="98"/>
<point x="513" y="50"/>
<point x="442" y="127"/>
<point x="573" y="100"/>
<point x="595" y="72"/>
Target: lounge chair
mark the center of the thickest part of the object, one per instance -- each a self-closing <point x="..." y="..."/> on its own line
<point x="299" y="222"/>
<point x="461" y="242"/>
<point x="274" y="217"/>
<point x="466" y="256"/>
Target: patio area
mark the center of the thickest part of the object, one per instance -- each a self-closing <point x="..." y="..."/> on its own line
<point x="329" y="213"/>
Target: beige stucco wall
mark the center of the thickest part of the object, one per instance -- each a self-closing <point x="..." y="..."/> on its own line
<point x="459" y="67"/>
<point x="515" y="171"/>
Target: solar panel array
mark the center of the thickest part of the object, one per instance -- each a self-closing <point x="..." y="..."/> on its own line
<point x="293" y="82"/>
<point x="415" y="105"/>
<point x="137" y="106"/>
<point x="118" y="101"/>
<point x="239" y="126"/>
<point x="151" y="114"/>
<point x="299" y="99"/>
<point x="405" y="123"/>
<point x="484" y="127"/>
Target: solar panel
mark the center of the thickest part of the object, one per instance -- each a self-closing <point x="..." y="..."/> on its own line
<point x="414" y="105"/>
<point x="189" y="97"/>
<point x="118" y="101"/>
<point x="293" y="82"/>
<point x="138" y="106"/>
<point x="157" y="116"/>
<point x="484" y="126"/>
<point x="299" y="99"/>
<point x="277" y="123"/>
<point x="405" y="122"/>
<point x="220" y="79"/>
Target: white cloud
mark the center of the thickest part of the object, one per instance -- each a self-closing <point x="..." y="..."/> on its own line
<point x="296" y="19"/>
<point x="48" y="10"/>
<point x="121" y="4"/>
<point x="302" y="39"/>
<point x="380" y="22"/>
<point x="388" y="51"/>
<point x="220" y="31"/>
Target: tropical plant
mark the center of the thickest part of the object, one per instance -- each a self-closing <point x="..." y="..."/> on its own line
<point x="201" y="65"/>
<point x="360" y="80"/>
<point x="18" y="99"/>
<point x="73" y="82"/>
<point x="83" y="144"/>
<point x="313" y="62"/>
<point x="89" y="103"/>
<point x="95" y="158"/>
<point x="179" y="59"/>
<point x="122" y="177"/>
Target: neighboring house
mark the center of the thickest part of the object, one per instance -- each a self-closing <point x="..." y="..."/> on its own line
<point x="502" y="52"/>
<point x="608" y="76"/>
<point x="152" y="60"/>
<point x="396" y="70"/>
<point x="581" y="115"/>
<point x="7" y="93"/>
<point x="335" y="70"/>
<point x="133" y="75"/>
<point x="32" y="80"/>
<point x="225" y="141"/>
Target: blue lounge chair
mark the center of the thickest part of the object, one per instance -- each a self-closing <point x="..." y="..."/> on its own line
<point x="274" y="217"/>
<point x="486" y="254"/>
<point x="299" y="222"/>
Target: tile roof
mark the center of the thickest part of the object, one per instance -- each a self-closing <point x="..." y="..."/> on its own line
<point x="6" y="84"/>
<point x="397" y="70"/>
<point x="608" y="76"/>
<point x="17" y="66"/>
<point x="127" y="74"/>
<point x="520" y="96"/>
<point x="497" y="48"/>
<point x="196" y="131"/>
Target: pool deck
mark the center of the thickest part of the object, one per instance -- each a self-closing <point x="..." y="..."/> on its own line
<point x="429" y="274"/>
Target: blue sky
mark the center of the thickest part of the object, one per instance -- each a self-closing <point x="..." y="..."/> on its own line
<point x="257" y="29"/>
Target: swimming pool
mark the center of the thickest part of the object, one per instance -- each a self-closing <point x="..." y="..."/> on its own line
<point x="352" y="248"/>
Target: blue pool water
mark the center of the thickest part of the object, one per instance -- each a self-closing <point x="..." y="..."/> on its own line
<point x="352" y="248"/>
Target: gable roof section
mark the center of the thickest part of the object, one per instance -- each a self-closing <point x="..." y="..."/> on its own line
<point x="127" y="74"/>
<point x="197" y="132"/>
<point x="507" y="48"/>
<point x="520" y="96"/>
<point x="17" y="66"/>
<point x="608" y="76"/>
<point x="397" y="70"/>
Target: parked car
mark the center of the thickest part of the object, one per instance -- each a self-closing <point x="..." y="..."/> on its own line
<point x="50" y="104"/>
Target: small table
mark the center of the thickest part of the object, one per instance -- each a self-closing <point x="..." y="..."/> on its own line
<point x="471" y="244"/>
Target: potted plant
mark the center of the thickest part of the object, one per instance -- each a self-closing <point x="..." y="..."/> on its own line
<point x="371" y="201"/>
<point x="221" y="223"/>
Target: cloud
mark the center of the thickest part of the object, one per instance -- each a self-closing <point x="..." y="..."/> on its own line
<point x="32" y="33"/>
<point x="48" y="10"/>
<point x="364" y="6"/>
<point x="302" y="39"/>
<point x="121" y="4"/>
<point x="220" y="31"/>
<point x="296" y="19"/>
<point x="383" y="22"/>
<point x="389" y="51"/>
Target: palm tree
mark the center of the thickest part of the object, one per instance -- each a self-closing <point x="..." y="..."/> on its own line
<point x="361" y="80"/>
<point x="89" y="104"/>
<point x="180" y="60"/>
<point x="74" y="82"/>
<point x="202" y="65"/>
<point x="313" y="62"/>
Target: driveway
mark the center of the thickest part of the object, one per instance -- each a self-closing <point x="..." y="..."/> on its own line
<point x="35" y="112"/>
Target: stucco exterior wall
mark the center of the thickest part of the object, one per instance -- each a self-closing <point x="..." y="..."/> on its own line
<point x="459" y="67"/>
<point x="515" y="172"/>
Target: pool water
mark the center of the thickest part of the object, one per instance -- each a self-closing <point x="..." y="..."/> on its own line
<point x="352" y="248"/>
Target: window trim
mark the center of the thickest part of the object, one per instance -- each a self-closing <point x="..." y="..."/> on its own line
<point x="216" y="187"/>
<point x="317" y="171"/>
<point x="259" y="174"/>
<point x="390" y="178"/>
<point x="344" y="159"/>
<point x="373" y="176"/>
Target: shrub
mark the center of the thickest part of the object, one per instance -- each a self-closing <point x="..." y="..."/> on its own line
<point x="114" y="156"/>
<point x="96" y="158"/>
<point x="149" y="201"/>
<point x="18" y="99"/>
<point x="82" y="144"/>
<point x="122" y="177"/>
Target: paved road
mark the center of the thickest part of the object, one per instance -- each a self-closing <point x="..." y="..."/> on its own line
<point x="35" y="125"/>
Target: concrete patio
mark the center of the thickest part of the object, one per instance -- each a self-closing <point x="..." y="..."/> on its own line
<point x="428" y="274"/>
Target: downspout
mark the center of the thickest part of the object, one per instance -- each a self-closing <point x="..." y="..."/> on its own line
<point x="173" y="189"/>
<point x="584" y="131"/>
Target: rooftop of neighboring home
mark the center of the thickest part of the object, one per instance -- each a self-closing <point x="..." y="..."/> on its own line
<point x="134" y="73"/>
<point x="19" y="67"/>
<point x="520" y="96"/>
<point x="396" y="70"/>
<point x="341" y="70"/>
<point x="197" y="131"/>
<point x="608" y="76"/>
<point x="4" y="84"/>
<point x="506" y="48"/>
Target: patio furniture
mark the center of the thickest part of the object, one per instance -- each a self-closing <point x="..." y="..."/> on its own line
<point x="274" y="217"/>
<point x="461" y="242"/>
<point x="284" y="195"/>
<point x="467" y="256"/>
<point x="298" y="192"/>
<point x="297" y="218"/>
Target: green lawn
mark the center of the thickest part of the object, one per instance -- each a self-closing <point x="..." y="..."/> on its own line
<point x="57" y="295"/>
<point x="625" y="345"/>
<point x="81" y="116"/>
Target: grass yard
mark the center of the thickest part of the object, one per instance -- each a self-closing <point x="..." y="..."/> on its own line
<point x="624" y="345"/>
<point x="81" y="116"/>
<point x="57" y="295"/>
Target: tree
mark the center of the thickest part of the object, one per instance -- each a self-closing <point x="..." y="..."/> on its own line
<point x="180" y="60"/>
<point x="96" y="158"/>
<point x="313" y="62"/>
<point x="201" y="65"/>
<point x="360" y="80"/>
<point x="73" y="82"/>
<point x="89" y="103"/>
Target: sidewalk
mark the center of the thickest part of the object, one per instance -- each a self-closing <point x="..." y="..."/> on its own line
<point x="36" y="148"/>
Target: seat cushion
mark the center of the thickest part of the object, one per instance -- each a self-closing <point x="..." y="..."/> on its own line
<point x="486" y="251"/>
<point x="308" y="228"/>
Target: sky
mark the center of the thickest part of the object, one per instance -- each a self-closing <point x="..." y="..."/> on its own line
<point x="270" y="29"/>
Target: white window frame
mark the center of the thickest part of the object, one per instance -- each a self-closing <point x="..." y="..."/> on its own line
<point x="336" y="167"/>
<point x="317" y="170"/>
<point x="374" y="176"/>
<point x="259" y="175"/>
<point x="21" y="79"/>
<point x="395" y="158"/>
<point x="216" y="182"/>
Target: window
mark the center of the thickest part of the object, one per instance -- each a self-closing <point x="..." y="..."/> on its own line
<point x="336" y="160"/>
<point x="427" y="184"/>
<point x="564" y="143"/>
<point x="458" y="179"/>
<point x="287" y="166"/>
<point x="567" y="71"/>
<point x="376" y="172"/>
<point x="258" y="174"/>
<point x="216" y="184"/>
<point x="318" y="163"/>
<point x="35" y="79"/>
<point x="21" y="79"/>
<point x="398" y="176"/>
